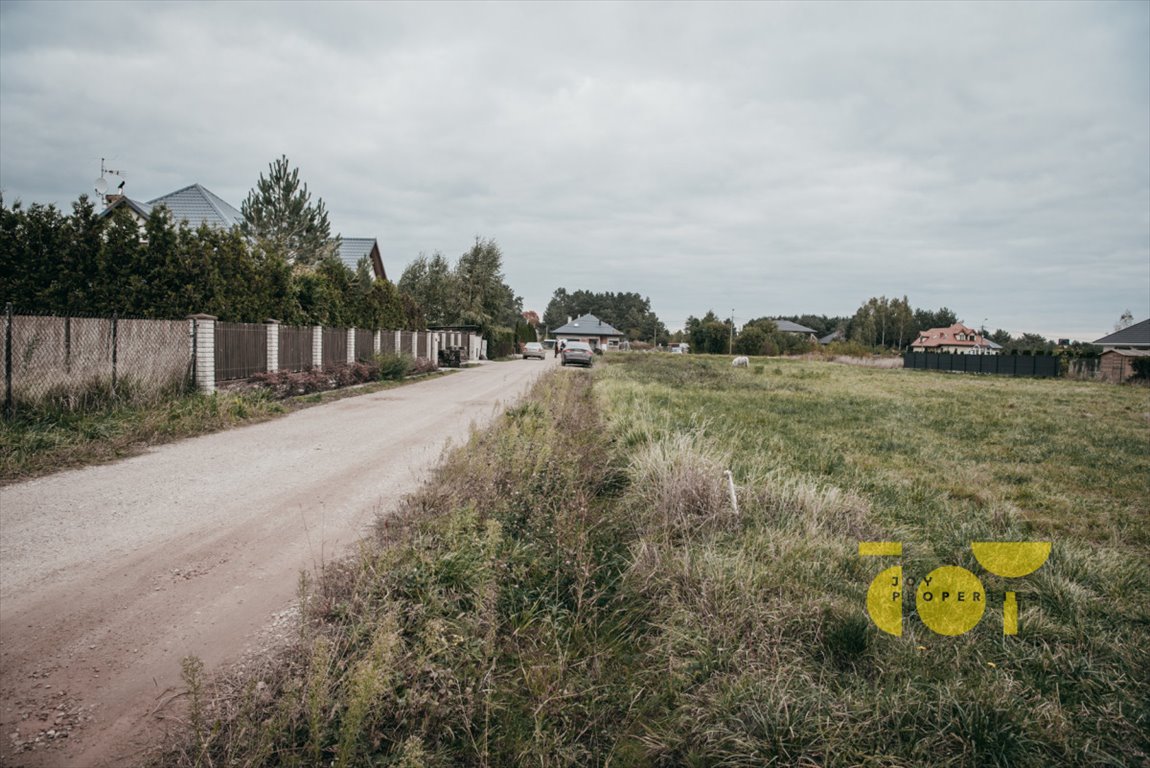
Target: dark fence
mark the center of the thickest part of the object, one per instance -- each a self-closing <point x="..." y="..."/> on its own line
<point x="387" y="343"/>
<point x="364" y="344"/>
<point x="405" y="342"/>
<point x="1002" y="365"/>
<point x="334" y="347"/>
<point x="241" y="350"/>
<point x="73" y="363"/>
<point x="1084" y="367"/>
<point x="295" y="348"/>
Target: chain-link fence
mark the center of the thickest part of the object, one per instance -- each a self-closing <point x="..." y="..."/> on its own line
<point x="77" y="363"/>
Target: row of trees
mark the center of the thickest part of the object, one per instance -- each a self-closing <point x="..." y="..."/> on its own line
<point x="879" y="323"/>
<point x="473" y="291"/>
<point x="713" y="335"/>
<point x="629" y="313"/>
<point x="85" y="264"/>
<point x="279" y="263"/>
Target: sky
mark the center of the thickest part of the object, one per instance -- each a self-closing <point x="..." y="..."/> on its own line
<point x="755" y="159"/>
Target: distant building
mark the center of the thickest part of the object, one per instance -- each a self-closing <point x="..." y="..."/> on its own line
<point x="832" y="337"/>
<point x="589" y="329"/>
<point x="1121" y="348"/>
<point x="956" y="338"/>
<point x="352" y="249"/>
<point x="194" y="204"/>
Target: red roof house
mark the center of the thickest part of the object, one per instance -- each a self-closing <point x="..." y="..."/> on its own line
<point x="955" y="338"/>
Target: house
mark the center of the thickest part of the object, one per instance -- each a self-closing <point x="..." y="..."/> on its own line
<point x="589" y="329"/>
<point x="832" y="337"/>
<point x="1121" y="348"/>
<point x="352" y="249"/>
<point x="194" y="204"/>
<point x="786" y="326"/>
<point x="956" y="338"/>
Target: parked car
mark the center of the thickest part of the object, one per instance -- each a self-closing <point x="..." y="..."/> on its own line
<point x="577" y="353"/>
<point x="533" y="349"/>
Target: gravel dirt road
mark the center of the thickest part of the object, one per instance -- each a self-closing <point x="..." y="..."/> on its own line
<point x="110" y="575"/>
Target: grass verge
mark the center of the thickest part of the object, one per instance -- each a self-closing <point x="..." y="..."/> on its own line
<point x="577" y="586"/>
<point x="39" y="442"/>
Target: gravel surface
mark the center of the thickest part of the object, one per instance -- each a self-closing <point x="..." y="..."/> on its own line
<point x="110" y="575"/>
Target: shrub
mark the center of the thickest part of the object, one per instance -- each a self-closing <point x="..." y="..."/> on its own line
<point x="424" y="365"/>
<point x="283" y="384"/>
<point x="1141" y="367"/>
<point x="394" y="366"/>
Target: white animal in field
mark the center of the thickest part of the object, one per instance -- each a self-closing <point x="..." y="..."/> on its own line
<point x="741" y="362"/>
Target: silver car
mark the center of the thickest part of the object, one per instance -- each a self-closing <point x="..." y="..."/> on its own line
<point x="577" y="353"/>
<point x="533" y="349"/>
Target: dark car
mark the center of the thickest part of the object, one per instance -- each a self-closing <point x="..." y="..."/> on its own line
<point x="533" y="349"/>
<point x="577" y="353"/>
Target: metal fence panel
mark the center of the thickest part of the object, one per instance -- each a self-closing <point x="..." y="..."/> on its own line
<point x="295" y="348"/>
<point x="241" y="350"/>
<point x="1002" y="365"/>
<point x="364" y="344"/>
<point x="334" y="347"/>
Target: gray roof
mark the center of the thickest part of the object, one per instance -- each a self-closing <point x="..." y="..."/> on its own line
<point x="143" y="210"/>
<point x="1137" y="335"/>
<point x="198" y="205"/>
<point x="352" y="249"/>
<point x="786" y="326"/>
<point x="832" y="336"/>
<point x="587" y="325"/>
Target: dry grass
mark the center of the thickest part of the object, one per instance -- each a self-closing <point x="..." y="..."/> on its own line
<point x="576" y="589"/>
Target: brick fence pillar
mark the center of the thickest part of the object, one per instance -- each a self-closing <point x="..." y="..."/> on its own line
<point x="398" y="342"/>
<point x="415" y="343"/>
<point x="317" y="346"/>
<point x="273" y="330"/>
<point x="350" y="346"/>
<point x="376" y="341"/>
<point x="204" y="351"/>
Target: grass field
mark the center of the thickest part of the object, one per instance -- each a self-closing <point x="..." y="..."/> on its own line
<point x="576" y="588"/>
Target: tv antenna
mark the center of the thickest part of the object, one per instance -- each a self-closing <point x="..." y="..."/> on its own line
<point x="102" y="183"/>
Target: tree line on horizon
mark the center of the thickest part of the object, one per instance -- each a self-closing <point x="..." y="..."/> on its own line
<point x="878" y="324"/>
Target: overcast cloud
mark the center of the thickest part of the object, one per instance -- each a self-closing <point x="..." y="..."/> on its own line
<point x="768" y="158"/>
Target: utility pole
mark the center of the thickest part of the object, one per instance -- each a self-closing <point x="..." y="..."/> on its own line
<point x="731" y="349"/>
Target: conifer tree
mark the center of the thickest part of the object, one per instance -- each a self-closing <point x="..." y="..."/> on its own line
<point x="279" y="215"/>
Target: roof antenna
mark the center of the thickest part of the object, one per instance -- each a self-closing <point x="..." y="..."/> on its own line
<point x="101" y="184"/>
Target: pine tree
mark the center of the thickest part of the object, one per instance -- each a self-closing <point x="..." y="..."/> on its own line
<point x="279" y="214"/>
